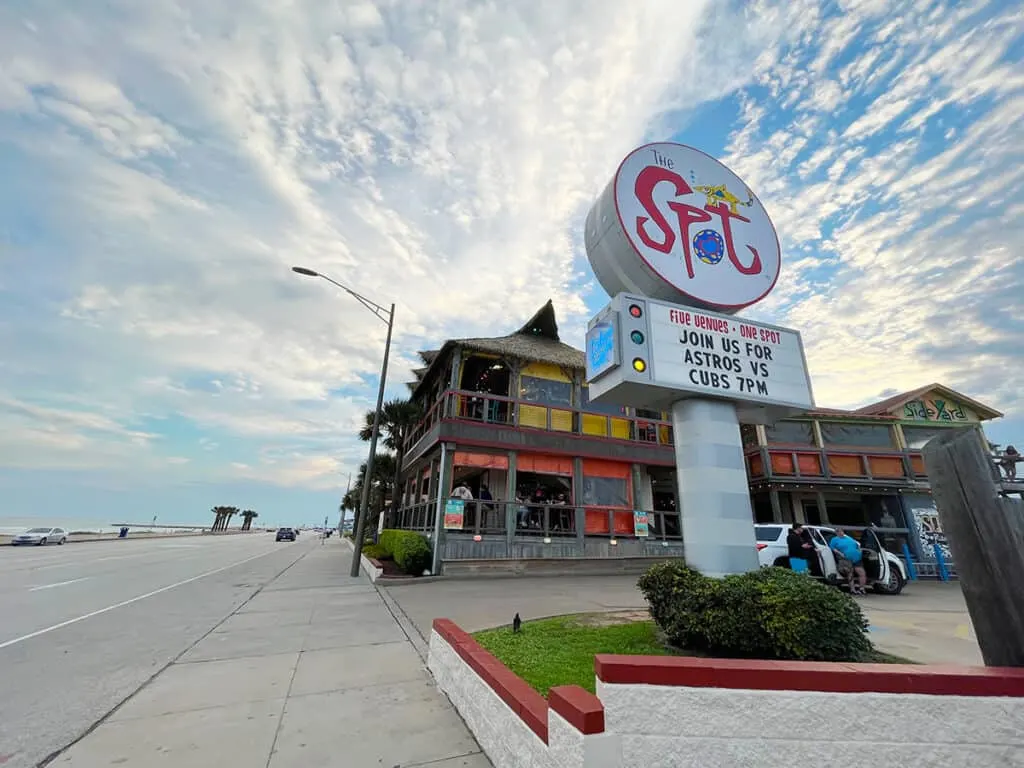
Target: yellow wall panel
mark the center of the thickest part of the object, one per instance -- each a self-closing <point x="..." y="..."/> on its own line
<point x="533" y="416"/>
<point x="561" y="421"/>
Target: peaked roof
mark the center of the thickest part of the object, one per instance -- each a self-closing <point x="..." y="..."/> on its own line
<point x="887" y="406"/>
<point x="537" y="340"/>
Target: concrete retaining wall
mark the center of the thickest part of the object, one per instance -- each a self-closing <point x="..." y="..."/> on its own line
<point x="684" y="712"/>
<point x="681" y="712"/>
<point x="514" y="724"/>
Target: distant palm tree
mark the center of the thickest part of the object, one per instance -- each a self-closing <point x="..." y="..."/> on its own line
<point x="397" y="419"/>
<point x="223" y="517"/>
<point x="248" y="516"/>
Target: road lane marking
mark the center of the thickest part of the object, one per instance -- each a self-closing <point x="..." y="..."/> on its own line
<point x="58" y="584"/>
<point x="129" y="601"/>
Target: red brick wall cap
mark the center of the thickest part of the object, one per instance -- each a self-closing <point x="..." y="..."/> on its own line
<point x="580" y="708"/>
<point x="936" y="680"/>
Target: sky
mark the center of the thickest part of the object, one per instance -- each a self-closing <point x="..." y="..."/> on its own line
<point x="165" y="163"/>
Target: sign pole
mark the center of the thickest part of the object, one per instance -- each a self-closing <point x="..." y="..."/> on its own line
<point x="714" y="498"/>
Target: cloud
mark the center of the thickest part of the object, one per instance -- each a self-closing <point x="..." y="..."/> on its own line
<point x="170" y="161"/>
<point x="913" y="276"/>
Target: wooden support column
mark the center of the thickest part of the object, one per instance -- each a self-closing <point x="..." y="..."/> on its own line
<point x="444" y="481"/>
<point x="985" y="534"/>
<point x="577" y="403"/>
<point x="511" y="510"/>
<point x="577" y="498"/>
<point x="637" y="479"/>
<point x="773" y="496"/>
<point x="822" y="507"/>
<point x="450" y="406"/>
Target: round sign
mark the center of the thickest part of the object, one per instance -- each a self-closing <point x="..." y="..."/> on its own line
<point x="675" y="224"/>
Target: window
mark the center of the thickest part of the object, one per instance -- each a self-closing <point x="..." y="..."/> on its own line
<point x="606" y="492"/>
<point x="749" y="434"/>
<point x="790" y="432"/>
<point x="917" y="436"/>
<point x="643" y="413"/>
<point x="608" y="409"/>
<point x="768" y="532"/>
<point x="545" y="391"/>
<point x="857" y="435"/>
<point x="762" y="506"/>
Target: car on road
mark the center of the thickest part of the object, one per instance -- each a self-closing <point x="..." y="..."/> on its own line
<point x="40" y="537"/>
<point x="885" y="571"/>
<point x="285" y="534"/>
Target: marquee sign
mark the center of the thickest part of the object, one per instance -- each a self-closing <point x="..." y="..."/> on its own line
<point x="666" y="352"/>
<point x="677" y="225"/>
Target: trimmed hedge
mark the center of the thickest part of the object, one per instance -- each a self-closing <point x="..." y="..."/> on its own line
<point x="770" y="613"/>
<point x="376" y="551"/>
<point x="410" y="550"/>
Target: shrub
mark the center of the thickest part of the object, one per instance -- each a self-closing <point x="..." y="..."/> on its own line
<point x="770" y="613"/>
<point x="809" y="620"/>
<point x="678" y="597"/>
<point x="732" y="622"/>
<point x="376" y="551"/>
<point x="410" y="550"/>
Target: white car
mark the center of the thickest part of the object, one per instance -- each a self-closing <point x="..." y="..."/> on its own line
<point x="886" y="572"/>
<point x="40" y="536"/>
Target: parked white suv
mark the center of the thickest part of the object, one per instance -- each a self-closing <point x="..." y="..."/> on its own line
<point x="886" y="572"/>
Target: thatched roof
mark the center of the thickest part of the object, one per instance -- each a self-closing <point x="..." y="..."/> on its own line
<point x="536" y="341"/>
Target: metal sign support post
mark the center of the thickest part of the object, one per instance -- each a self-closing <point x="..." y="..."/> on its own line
<point x="714" y="497"/>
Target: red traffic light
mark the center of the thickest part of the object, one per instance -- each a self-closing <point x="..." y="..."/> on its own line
<point x="635" y="310"/>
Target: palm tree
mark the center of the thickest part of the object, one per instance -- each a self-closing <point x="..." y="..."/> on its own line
<point x="248" y="516"/>
<point x="380" y="487"/>
<point x="222" y="516"/>
<point x="397" y="419"/>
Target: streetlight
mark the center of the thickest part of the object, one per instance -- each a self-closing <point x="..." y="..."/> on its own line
<point x="388" y="318"/>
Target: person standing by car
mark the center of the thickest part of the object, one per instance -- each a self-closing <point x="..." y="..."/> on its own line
<point x="800" y="549"/>
<point x="849" y="549"/>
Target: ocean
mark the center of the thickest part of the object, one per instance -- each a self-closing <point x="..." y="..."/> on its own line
<point x="12" y="525"/>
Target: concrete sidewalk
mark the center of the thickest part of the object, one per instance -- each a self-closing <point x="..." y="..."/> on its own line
<point x="928" y="623"/>
<point x="313" y="671"/>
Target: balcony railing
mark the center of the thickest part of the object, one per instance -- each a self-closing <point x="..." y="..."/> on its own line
<point x="810" y="463"/>
<point x="483" y="408"/>
<point x="525" y="520"/>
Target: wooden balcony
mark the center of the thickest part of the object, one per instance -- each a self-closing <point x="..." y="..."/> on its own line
<point x="509" y="414"/>
<point x="807" y="464"/>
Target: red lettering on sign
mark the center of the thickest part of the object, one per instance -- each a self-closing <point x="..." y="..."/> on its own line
<point x="725" y="214"/>
<point x="646" y="181"/>
<point x="686" y="215"/>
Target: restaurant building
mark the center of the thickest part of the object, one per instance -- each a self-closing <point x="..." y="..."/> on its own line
<point x="554" y="476"/>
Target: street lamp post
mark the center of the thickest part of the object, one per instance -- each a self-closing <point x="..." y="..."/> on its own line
<point x="388" y="317"/>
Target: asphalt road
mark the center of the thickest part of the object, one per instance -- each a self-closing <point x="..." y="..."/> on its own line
<point x="84" y="626"/>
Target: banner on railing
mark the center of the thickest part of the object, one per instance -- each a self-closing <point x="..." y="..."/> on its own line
<point x="454" y="513"/>
<point x="641" y="521"/>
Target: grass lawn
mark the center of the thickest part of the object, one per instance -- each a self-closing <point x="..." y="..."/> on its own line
<point x="560" y="651"/>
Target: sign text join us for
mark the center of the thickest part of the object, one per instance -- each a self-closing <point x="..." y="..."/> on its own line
<point x="643" y="352"/>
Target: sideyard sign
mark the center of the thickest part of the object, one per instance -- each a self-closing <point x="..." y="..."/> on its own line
<point x="675" y="224"/>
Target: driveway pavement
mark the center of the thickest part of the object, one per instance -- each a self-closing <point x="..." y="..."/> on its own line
<point x="313" y="670"/>
<point x="928" y="623"/>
